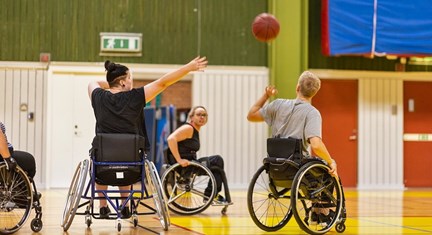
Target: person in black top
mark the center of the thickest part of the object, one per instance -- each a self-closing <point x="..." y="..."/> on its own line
<point x="118" y="107"/>
<point x="184" y="143"/>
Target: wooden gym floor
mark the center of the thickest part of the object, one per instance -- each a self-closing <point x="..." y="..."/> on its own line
<point x="369" y="212"/>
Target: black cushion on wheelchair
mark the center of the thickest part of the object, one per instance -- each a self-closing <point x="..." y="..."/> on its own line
<point x="283" y="147"/>
<point x="282" y="172"/>
<point x="115" y="147"/>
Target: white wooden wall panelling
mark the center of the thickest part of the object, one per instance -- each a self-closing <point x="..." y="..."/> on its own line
<point x="228" y="95"/>
<point x="380" y="125"/>
<point x="25" y="85"/>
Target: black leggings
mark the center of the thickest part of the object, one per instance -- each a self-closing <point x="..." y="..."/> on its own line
<point x="25" y="160"/>
<point x="216" y="165"/>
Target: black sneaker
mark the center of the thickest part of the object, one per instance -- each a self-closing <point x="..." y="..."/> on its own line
<point x="125" y="213"/>
<point x="325" y="220"/>
<point x="220" y="199"/>
<point x="104" y="212"/>
<point x="314" y="218"/>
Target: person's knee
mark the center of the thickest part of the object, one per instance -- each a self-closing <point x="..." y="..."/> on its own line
<point x="26" y="161"/>
<point x="217" y="160"/>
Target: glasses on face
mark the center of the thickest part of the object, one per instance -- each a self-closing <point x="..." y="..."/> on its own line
<point x="201" y="115"/>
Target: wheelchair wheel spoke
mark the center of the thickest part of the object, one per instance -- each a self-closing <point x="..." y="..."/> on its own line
<point x="268" y="204"/>
<point x="15" y="199"/>
<point x="187" y="193"/>
<point x="174" y="196"/>
<point x="318" y="198"/>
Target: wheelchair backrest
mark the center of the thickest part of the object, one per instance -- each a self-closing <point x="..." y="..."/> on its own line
<point x="282" y="173"/>
<point x="283" y="147"/>
<point x="113" y="150"/>
<point x="117" y="147"/>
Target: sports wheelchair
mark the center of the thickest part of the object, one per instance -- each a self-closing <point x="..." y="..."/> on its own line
<point x="18" y="196"/>
<point x="185" y="187"/>
<point x="105" y="168"/>
<point x="289" y="184"/>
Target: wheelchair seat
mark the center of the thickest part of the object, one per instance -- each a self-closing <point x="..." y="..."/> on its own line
<point x="118" y="158"/>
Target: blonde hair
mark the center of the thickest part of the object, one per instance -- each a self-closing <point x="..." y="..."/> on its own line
<point x="192" y="111"/>
<point x="309" y="84"/>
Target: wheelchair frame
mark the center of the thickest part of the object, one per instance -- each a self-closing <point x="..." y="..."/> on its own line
<point x="311" y="188"/>
<point x="18" y="196"/>
<point x="150" y="187"/>
<point x="186" y="194"/>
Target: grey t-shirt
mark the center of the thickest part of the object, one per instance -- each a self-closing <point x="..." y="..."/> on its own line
<point x="304" y="122"/>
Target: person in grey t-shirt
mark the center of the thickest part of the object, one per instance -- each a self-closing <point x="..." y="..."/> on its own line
<point x="295" y="118"/>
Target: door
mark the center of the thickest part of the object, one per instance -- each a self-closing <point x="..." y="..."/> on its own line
<point x="337" y="100"/>
<point x="417" y="134"/>
<point x="73" y="126"/>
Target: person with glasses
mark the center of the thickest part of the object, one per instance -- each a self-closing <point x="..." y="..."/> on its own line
<point x="183" y="145"/>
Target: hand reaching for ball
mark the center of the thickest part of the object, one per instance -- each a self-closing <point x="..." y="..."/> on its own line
<point x="271" y="91"/>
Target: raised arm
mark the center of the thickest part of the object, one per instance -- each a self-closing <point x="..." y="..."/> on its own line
<point x="96" y="84"/>
<point x="154" y="88"/>
<point x="254" y="114"/>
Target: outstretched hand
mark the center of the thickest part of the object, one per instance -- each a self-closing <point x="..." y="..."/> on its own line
<point x="198" y="64"/>
<point x="271" y="91"/>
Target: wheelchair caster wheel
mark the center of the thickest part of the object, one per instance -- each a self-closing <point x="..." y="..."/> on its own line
<point x="135" y="220"/>
<point x="36" y="225"/>
<point x="88" y="221"/>
<point x="340" y="227"/>
<point x="119" y="226"/>
<point x="224" y="210"/>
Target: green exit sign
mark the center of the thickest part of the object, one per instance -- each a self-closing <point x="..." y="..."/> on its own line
<point x="123" y="43"/>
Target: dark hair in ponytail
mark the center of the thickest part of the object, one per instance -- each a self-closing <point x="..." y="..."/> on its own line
<point x="115" y="72"/>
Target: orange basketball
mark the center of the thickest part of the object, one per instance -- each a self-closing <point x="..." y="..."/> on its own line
<point x="265" y="27"/>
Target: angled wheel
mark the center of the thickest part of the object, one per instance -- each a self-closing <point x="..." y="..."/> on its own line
<point x="16" y="199"/>
<point x="269" y="205"/>
<point x="185" y="187"/>
<point x="75" y="192"/>
<point x="317" y="198"/>
<point x="36" y="225"/>
<point x="155" y="186"/>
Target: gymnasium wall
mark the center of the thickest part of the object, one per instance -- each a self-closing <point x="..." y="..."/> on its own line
<point x="173" y="31"/>
<point x="23" y="109"/>
<point x="227" y="95"/>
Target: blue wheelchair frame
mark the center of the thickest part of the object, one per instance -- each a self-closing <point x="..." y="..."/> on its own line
<point x="148" y="174"/>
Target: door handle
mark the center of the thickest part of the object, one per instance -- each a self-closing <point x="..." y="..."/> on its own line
<point x="352" y="137"/>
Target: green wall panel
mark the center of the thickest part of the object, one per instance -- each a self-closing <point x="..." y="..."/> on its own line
<point x="173" y="31"/>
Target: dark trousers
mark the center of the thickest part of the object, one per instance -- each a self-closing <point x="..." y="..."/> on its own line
<point x="25" y="160"/>
<point x="216" y="165"/>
